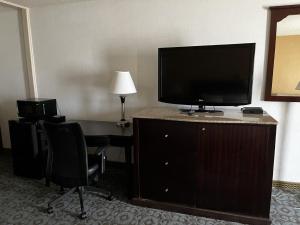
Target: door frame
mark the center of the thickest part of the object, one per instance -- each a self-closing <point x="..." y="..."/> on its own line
<point x="28" y="43"/>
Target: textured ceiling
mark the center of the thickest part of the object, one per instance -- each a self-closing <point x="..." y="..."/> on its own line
<point x="34" y="3"/>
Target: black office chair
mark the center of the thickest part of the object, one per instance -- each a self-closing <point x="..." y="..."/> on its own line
<point x="1" y="145"/>
<point x="68" y="164"/>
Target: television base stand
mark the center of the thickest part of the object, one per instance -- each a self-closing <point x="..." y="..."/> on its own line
<point x="201" y="108"/>
<point x="207" y="110"/>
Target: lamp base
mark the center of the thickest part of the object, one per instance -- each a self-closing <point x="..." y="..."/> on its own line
<point x="123" y="123"/>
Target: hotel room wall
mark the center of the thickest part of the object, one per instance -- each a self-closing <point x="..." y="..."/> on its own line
<point x="79" y="45"/>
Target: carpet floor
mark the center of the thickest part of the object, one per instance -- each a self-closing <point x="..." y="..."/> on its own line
<point x="24" y="201"/>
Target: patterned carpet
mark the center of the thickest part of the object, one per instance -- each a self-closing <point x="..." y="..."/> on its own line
<point x="24" y="201"/>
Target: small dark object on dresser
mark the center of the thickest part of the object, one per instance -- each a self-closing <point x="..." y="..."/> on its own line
<point x="252" y="110"/>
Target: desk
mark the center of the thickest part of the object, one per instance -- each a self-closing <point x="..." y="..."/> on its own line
<point x="118" y="136"/>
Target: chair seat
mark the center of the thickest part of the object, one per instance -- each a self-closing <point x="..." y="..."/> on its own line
<point x="95" y="151"/>
<point x="93" y="163"/>
<point x="92" y="169"/>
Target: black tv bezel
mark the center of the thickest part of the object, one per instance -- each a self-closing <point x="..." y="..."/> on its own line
<point x="184" y="101"/>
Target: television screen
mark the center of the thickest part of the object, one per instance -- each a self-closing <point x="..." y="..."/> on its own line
<point x="206" y="75"/>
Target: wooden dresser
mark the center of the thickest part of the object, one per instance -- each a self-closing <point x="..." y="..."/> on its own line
<point x="217" y="165"/>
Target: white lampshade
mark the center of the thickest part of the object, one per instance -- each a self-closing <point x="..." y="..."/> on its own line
<point x="122" y="83"/>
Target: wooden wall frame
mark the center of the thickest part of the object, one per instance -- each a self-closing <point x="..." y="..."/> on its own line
<point x="27" y="38"/>
<point x="277" y="14"/>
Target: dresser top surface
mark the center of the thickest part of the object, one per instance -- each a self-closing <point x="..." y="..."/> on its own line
<point x="227" y="116"/>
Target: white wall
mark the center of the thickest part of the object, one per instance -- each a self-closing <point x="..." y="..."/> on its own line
<point x="12" y="68"/>
<point x="78" y="46"/>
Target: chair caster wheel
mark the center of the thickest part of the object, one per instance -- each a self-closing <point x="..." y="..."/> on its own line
<point x="83" y="215"/>
<point x="50" y="210"/>
<point x="61" y="191"/>
<point x="109" y="198"/>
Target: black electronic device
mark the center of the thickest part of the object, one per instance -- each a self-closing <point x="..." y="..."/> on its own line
<point x="37" y="108"/>
<point x="252" y="110"/>
<point x="206" y="75"/>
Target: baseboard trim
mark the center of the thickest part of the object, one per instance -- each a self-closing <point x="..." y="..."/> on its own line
<point x="201" y="212"/>
<point x="286" y="185"/>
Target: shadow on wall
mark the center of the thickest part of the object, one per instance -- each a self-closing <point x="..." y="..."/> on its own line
<point x="88" y="96"/>
<point x="283" y="144"/>
<point x="86" y="85"/>
<point x="91" y="90"/>
<point x="147" y="67"/>
<point x="84" y="93"/>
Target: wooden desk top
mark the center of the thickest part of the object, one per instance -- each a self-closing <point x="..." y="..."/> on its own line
<point x="94" y="128"/>
<point x="228" y="116"/>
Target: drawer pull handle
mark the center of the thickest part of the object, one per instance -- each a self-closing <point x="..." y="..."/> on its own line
<point x="166" y="190"/>
<point x="203" y="129"/>
<point x="166" y="135"/>
<point x="166" y="163"/>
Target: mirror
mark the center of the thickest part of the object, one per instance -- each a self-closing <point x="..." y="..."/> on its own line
<point x="283" y="68"/>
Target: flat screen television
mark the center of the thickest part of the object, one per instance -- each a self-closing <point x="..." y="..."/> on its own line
<point x="216" y="75"/>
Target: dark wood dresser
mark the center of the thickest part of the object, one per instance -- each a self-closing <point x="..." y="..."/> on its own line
<point x="217" y="165"/>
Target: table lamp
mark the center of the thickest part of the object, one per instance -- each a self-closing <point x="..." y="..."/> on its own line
<point x="122" y="85"/>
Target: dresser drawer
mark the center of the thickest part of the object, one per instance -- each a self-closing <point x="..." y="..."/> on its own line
<point x="169" y="179"/>
<point x="159" y="136"/>
<point x="174" y="169"/>
<point x="180" y="193"/>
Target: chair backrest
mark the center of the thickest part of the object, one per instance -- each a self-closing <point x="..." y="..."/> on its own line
<point x="67" y="157"/>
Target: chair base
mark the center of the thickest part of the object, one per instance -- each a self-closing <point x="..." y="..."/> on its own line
<point x="103" y="193"/>
<point x="83" y="215"/>
<point x="50" y="210"/>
